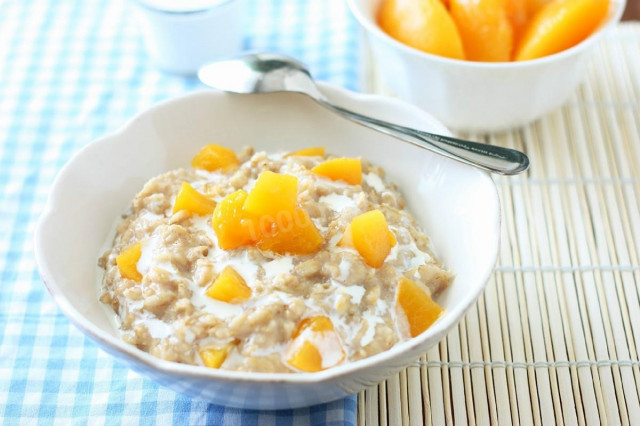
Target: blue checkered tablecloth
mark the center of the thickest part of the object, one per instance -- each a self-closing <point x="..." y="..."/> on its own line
<point x="70" y="71"/>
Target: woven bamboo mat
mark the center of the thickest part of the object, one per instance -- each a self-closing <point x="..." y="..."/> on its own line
<point x="555" y="338"/>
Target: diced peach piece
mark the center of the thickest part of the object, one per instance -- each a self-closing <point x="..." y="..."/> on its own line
<point x="213" y="157"/>
<point x="371" y="237"/>
<point x="560" y="25"/>
<point x="214" y="357"/>
<point x="316" y="151"/>
<point x="422" y="24"/>
<point x="320" y="347"/>
<point x="392" y="239"/>
<point x="346" y="169"/>
<point x="192" y="201"/>
<point x="307" y="358"/>
<point x="273" y="194"/>
<point x="229" y="287"/>
<point x="319" y="324"/>
<point x="518" y="16"/>
<point x="347" y="239"/>
<point x="533" y="6"/>
<point x="294" y="235"/>
<point x="127" y="262"/>
<point x="485" y="29"/>
<point x="419" y="308"/>
<point x="234" y="227"/>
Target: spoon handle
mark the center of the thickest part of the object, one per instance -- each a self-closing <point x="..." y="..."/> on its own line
<point x="495" y="159"/>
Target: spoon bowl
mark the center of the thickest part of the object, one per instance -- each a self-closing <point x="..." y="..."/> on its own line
<point x="269" y="73"/>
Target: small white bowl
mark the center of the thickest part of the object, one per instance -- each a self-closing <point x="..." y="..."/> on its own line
<point x="457" y="206"/>
<point x="478" y="96"/>
<point x="181" y="36"/>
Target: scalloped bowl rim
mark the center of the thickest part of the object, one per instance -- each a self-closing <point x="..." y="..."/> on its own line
<point x="451" y="317"/>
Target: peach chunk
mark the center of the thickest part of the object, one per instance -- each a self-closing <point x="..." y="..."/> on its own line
<point x="192" y="201"/>
<point x="371" y="237"/>
<point x="533" y="6"/>
<point x="316" y="151"/>
<point x="214" y="357"/>
<point x="213" y="157"/>
<point x="293" y="235"/>
<point x="127" y="262"/>
<point x="347" y="239"/>
<point x="485" y="29"/>
<point x="233" y="227"/>
<point x="346" y="169"/>
<point x="272" y="194"/>
<point x="307" y="358"/>
<point x="422" y="24"/>
<point x="229" y="287"/>
<point x="316" y="345"/>
<point x="318" y="324"/>
<point x="560" y="25"/>
<point x="518" y="16"/>
<point x="419" y="308"/>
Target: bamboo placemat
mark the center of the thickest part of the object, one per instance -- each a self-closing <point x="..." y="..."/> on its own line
<point x="555" y="338"/>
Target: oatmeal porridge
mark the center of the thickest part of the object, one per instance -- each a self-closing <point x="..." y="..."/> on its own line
<point x="270" y="263"/>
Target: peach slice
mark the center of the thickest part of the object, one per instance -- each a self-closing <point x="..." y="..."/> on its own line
<point x="192" y="201"/>
<point x="229" y="287"/>
<point x="316" y="151"/>
<point x="316" y="345"/>
<point x="419" y="308"/>
<point x="347" y="238"/>
<point x="371" y="237"/>
<point x="295" y="235"/>
<point x="518" y="16"/>
<point x="234" y="227"/>
<point x="422" y="24"/>
<point x="560" y="25"/>
<point x="213" y="157"/>
<point x="485" y="29"/>
<point x="273" y="194"/>
<point x="127" y="262"/>
<point x="533" y="6"/>
<point x="318" y="324"/>
<point x="346" y="169"/>
<point x="214" y="357"/>
<point x="307" y="358"/>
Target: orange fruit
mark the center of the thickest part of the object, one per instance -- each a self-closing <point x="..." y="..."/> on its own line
<point x="422" y="24"/>
<point x="533" y="6"/>
<point x="420" y="309"/>
<point x="346" y="169"/>
<point x="371" y="237"/>
<point x="485" y="29"/>
<point x="518" y="16"/>
<point x="307" y="358"/>
<point x="127" y="262"/>
<point x="316" y="151"/>
<point x="213" y="157"/>
<point x="229" y="287"/>
<point x="560" y="25"/>
<point x="192" y="201"/>
<point x="295" y="234"/>
<point x="232" y="225"/>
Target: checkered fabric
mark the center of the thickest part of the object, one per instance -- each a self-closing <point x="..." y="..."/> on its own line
<point x="70" y="71"/>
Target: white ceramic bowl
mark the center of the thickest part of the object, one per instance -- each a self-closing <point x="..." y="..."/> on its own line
<point x="479" y="96"/>
<point x="181" y="36"/>
<point x="457" y="205"/>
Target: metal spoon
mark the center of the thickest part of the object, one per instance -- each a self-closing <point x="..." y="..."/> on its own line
<point x="267" y="73"/>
